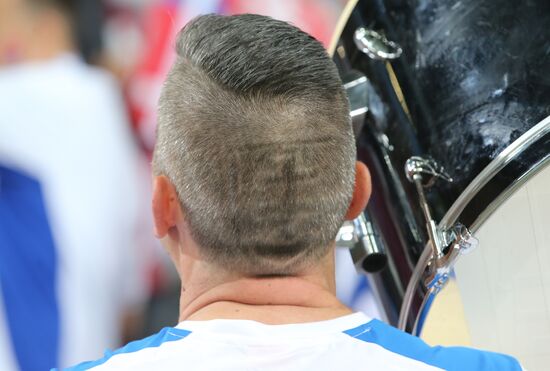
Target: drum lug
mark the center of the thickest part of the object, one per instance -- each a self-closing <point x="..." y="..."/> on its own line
<point x="423" y="172"/>
<point x="375" y="45"/>
<point x="447" y="245"/>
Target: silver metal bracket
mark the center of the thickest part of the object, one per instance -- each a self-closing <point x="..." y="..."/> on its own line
<point x="375" y="45"/>
<point x="366" y="249"/>
<point x="346" y="237"/>
<point x="447" y="245"/>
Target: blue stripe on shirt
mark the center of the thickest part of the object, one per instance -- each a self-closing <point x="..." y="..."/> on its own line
<point x="448" y="358"/>
<point x="28" y="272"/>
<point x="167" y="334"/>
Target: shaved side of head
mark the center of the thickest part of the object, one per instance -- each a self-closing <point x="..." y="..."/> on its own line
<point x="254" y="133"/>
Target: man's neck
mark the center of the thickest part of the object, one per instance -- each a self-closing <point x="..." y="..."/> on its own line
<point x="210" y="291"/>
<point x="272" y="300"/>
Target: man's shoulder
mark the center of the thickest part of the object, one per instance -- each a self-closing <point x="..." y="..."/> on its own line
<point x="448" y="358"/>
<point x="166" y="335"/>
<point x="357" y="340"/>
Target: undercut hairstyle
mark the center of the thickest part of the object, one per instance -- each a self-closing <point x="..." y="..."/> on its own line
<point x="254" y="133"/>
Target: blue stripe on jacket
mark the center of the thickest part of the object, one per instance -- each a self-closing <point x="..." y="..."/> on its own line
<point x="28" y="272"/>
<point x="167" y="334"/>
<point x="448" y="358"/>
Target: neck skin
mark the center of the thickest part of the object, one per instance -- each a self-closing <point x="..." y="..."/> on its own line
<point x="210" y="293"/>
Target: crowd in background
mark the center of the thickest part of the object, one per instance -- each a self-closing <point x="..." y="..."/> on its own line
<point x="79" y="268"/>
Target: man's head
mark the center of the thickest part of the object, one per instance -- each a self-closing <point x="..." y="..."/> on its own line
<point x="34" y="29"/>
<point x="254" y="136"/>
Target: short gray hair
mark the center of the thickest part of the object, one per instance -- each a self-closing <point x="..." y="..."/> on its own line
<point x="254" y="133"/>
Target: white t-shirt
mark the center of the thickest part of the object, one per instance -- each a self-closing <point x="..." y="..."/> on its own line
<point x="352" y="342"/>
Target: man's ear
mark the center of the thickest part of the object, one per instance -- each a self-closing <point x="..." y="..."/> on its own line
<point x="165" y="204"/>
<point x="361" y="191"/>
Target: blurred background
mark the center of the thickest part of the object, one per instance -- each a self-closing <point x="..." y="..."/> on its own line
<point x="80" y="270"/>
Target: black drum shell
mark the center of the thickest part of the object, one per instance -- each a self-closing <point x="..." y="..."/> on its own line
<point x="473" y="77"/>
